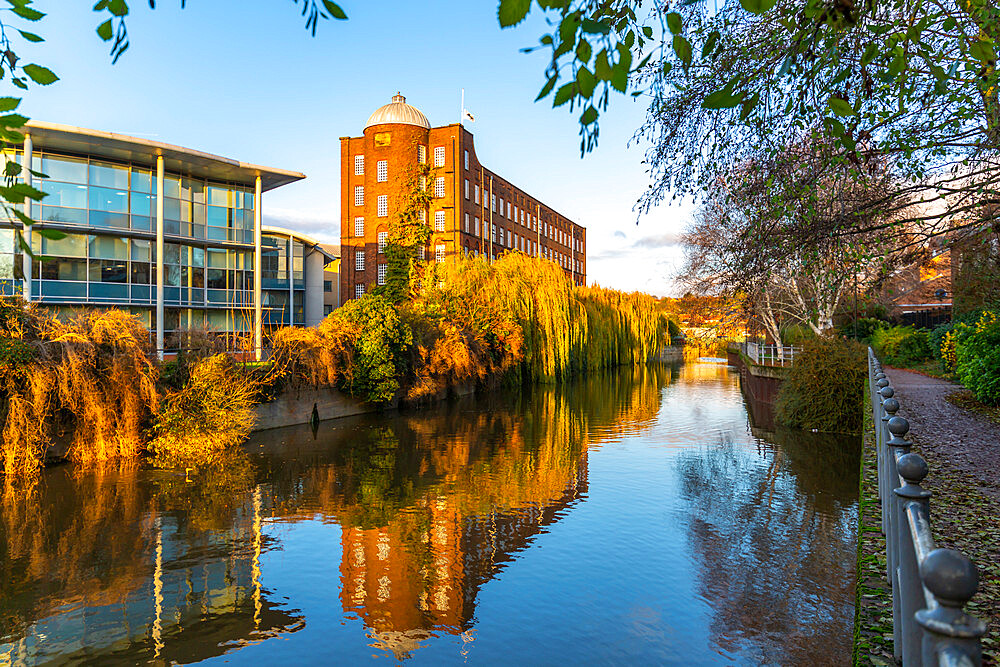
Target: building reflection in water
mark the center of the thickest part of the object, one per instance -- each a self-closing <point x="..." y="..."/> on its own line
<point x="135" y="565"/>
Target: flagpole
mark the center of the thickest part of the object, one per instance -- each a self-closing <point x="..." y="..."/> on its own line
<point x="461" y="113"/>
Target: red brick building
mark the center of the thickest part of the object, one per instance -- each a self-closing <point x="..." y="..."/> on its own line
<point x="473" y="210"/>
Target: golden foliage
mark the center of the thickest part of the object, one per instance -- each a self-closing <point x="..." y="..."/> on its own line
<point x="89" y="383"/>
<point x="318" y="355"/>
<point x="212" y="412"/>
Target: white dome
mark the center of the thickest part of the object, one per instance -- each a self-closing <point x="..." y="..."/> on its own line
<point x="398" y="111"/>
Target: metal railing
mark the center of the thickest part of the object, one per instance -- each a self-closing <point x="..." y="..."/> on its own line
<point x="930" y="586"/>
<point x="771" y="355"/>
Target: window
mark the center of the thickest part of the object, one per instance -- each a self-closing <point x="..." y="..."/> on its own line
<point x="359" y="165"/>
<point x="423" y="184"/>
<point x="381" y="274"/>
<point x="501" y="205"/>
<point x="508" y="210"/>
<point x="466" y="159"/>
<point x="439" y="221"/>
<point x="477" y="193"/>
<point x="359" y="226"/>
<point x="466" y="188"/>
<point x="422" y="154"/>
<point x="359" y="260"/>
<point x="493" y="233"/>
<point x="466" y="223"/>
<point x="422" y="214"/>
<point x="477" y="226"/>
<point x="515" y="214"/>
<point x="510" y="240"/>
<point x="439" y="156"/>
<point x="382" y="171"/>
<point x="359" y="291"/>
<point x="439" y="253"/>
<point x="383" y="206"/>
<point x="359" y="195"/>
<point x="439" y="187"/>
<point x="493" y="203"/>
<point x="422" y="253"/>
<point x="382" y="237"/>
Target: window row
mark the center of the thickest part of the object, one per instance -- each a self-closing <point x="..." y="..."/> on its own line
<point x="62" y="170"/>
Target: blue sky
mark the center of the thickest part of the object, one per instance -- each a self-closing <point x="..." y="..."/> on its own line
<point x="247" y="81"/>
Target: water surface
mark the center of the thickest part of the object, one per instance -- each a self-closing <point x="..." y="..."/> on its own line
<point x="635" y="517"/>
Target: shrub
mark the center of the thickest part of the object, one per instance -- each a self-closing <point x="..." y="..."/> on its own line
<point x="212" y="412"/>
<point x="380" y="347"/>
<point x="977" y="356"/>
<point x="865" y="329"/>
<point x="796" y="334"/>
<point x="901" y="345"/>
<point x="823" y="391"/>
<point x="89" y="381"/>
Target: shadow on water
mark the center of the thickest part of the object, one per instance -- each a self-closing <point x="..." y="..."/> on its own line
<point x="402" y="519"/>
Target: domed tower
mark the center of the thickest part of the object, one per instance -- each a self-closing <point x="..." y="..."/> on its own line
<point x="376" y="171"/>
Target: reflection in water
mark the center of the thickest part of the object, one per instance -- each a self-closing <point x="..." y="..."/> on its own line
<point x="425" y="509"/>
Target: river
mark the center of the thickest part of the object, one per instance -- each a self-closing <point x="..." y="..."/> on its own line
<point x="632" y="517"/>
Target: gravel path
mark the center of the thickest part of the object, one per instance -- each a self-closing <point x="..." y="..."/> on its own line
<point x="946" y="433"/>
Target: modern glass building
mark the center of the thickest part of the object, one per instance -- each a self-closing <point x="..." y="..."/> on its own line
<point x="171" y="234"/>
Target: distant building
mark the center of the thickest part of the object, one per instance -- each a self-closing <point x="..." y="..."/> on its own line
<point x="119" y="198"/>
<point x="474" y="211"/>
<point x="331" y="280"/>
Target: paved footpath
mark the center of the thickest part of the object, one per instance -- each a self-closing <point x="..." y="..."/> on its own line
<point x="944" y="432"/>
<point x="962" y="450"/>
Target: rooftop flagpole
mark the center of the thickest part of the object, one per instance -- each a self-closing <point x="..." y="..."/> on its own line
<point x="461" y="113"/>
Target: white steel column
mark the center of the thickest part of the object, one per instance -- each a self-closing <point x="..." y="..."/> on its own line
<point x="258" y="320"/>
<point x="290" y="273"/>
<point x="159" y="257"/>
<point x="26" y="229"/>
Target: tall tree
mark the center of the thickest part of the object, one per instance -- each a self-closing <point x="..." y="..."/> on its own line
<point x="913" y="82"/>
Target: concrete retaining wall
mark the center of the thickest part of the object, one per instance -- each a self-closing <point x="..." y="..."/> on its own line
<point x="296" y="407"/>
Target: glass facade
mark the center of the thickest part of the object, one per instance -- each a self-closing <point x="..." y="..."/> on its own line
<point x="108" y="212"/>
<point x="282" y="280"/>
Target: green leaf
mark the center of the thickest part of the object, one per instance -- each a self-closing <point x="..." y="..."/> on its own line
<point x="721" y="99"/>
<point x="27" y="13"/>
<point x="871" y="51"/>
<point x="619" y="78"/>
<point x="757" y="6"/>
<point x="50" y="234"/>
<point x="104" y="31"/>
<point x="682" y="48"/>
<point x="588" y="116"/>
<point x="647" y="31"/>
<point x="583" y="51"/>
<point x="749" y="105"/>
<point x="983" y="51"/>
<point x="586" y="81"/>
<point x="547" y="88"/>
<point x="30" y="36"/>
<point x="512" y="12"/>
<point x="840" y="106"/>
<point x="602" y="69"/>
<point x="9" y="103"/>
<point x="12" y="120"/>
<point x="592" y="27"/>
<point x="40" y="75"/>
<point x="713" y="39"/>
<point x="674" y="23"/>
<point x="835" y="127"/>
<point x="564" y="94"/>
<point x="335" y="10"/>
